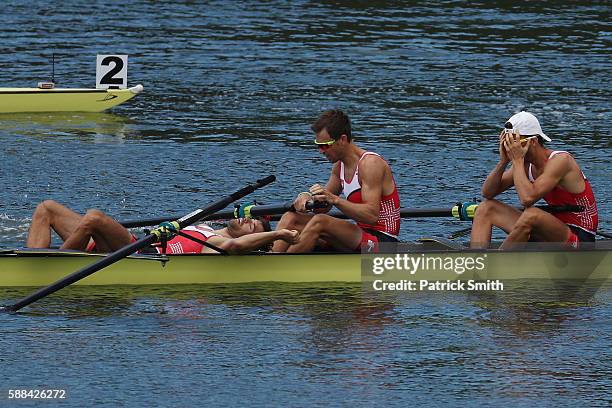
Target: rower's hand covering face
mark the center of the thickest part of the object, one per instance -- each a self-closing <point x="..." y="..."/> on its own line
<point x="503" y="157"/>
<point x="515" y="149"/>
<point x="320" y="193"/>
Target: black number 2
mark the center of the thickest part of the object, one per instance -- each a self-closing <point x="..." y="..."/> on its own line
<point x="108" y="79"/>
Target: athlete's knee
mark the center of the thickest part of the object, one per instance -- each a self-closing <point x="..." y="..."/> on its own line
<point x="41" y="210"/>
<point x="486" y="209"/>
<point x="44" y="209"/>
<point x="527" y="219"/>
<point x="92" y="219"/>
<point x="530" y="216"/>
<point x="318" y="222"/>
<point x="289" y="220"/>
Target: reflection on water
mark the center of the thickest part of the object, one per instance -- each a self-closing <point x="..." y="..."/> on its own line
<point x="98" y="127"/>
<point x="522" y="343"/>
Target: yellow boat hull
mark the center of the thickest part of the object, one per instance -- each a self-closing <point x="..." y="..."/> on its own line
<point x="16" y="100"/>
<point x="42" y="267"/>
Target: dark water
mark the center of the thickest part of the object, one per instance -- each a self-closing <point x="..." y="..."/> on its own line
<point x="230" y="91"/>
<point x="309" y="345"/>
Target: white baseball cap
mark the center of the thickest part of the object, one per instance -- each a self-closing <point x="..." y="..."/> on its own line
<point x="526" y="123"/>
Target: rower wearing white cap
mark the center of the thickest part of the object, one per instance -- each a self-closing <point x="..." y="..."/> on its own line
<point x="536" y="173"/>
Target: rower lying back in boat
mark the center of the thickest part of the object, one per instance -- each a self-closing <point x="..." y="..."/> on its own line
<point x="97" y="232"/>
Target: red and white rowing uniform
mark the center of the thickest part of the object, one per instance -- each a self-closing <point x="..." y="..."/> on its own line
<point x="182" y="245"/>
<point x="580" y="223"/>
<point x="388" y="225"/>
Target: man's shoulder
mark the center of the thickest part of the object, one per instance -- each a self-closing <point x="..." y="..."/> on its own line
<point x="373" y="161"/>
<point x="374" y="168"/>
<point x="371" y="157"/>
<point x="218" y="238"/>
<point x="559" y="155"/>
<point x="561" y="159"/>
<point x="562" y="165"/>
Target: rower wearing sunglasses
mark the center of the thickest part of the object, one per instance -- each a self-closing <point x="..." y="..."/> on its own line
<point x="369" y="196"/>
<point x="536" y="173"/>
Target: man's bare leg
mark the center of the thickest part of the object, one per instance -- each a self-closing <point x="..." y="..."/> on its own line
<point x="491" y="213"/>
<point x="340" y="234"/>
<point x="108" y="234"/>
<point x="51" y="215"/>
<point x="291" y="221"/>
<point x="536" y="223"/>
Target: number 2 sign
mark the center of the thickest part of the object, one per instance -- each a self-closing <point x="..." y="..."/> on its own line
<point x="111" y="71"/>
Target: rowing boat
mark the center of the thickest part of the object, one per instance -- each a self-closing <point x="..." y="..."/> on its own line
<point x="440" y="259"/>
<point x="13" y="100"/>
<point x="30" y="267"/>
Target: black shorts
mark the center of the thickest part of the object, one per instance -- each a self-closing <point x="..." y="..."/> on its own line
<point x="583" y="236"/>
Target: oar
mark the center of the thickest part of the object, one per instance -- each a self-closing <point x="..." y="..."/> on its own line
<point x="451" y="211"/>
<point x="255" y="211"/>
<point x="276" y="210"/>
<point x="134" y="247"/>
<point x="279" y="209"/>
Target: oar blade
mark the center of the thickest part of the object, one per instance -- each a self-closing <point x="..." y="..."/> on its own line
<point x="83" y="272"/>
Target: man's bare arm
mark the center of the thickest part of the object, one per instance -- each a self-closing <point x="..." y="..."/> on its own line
<point x="498" y="181"/>
<point x="334" y="186"/>
<point x="254" y="241"/>
<point x="372" y="173"/>
<point x="528" y="192"/>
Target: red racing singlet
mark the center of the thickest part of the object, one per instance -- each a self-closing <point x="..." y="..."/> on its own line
<point x="182" y="245"/>
<point x="389" y="216"/>
<point x="586" y="220"/>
